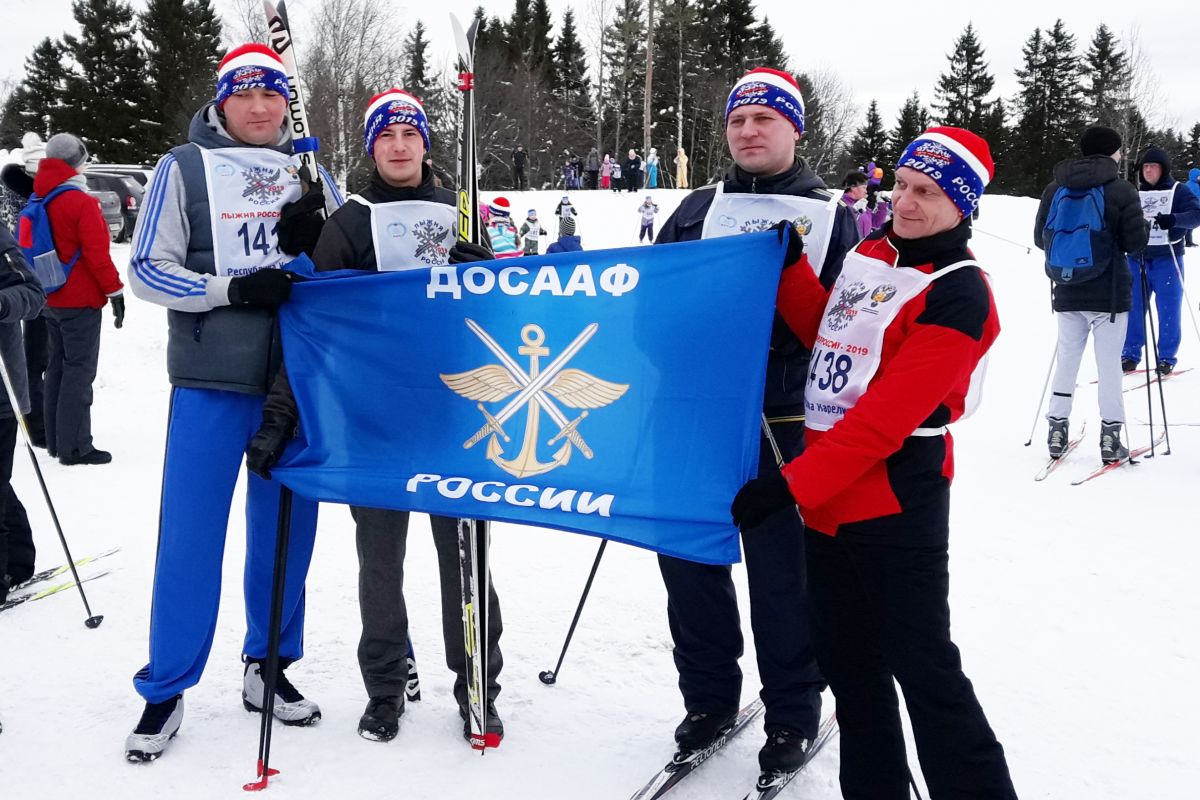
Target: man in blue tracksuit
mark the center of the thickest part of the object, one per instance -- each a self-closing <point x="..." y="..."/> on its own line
<point x="1193" y="183"/>
<point x="767" y="182"/>
<point x="1172" y="210"/>
<point x="222" y="214"/>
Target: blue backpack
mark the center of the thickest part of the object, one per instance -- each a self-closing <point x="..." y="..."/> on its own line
<point x="1078" y="246"/>
<point x="37" y="241"/>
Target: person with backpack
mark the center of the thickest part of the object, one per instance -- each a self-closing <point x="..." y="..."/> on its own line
<point x="66" y="239"/>
<point x="1089" y="216"/>
<point x="21" y="298"/>
<point x="226" y="211"/>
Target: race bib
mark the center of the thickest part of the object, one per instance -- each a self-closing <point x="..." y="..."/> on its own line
<point x="247" y="188"/>
<point x="731" y="214"/>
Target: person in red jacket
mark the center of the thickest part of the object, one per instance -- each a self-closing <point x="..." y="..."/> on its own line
<point x="898" y="347"/>
<point x="73" y="312"/>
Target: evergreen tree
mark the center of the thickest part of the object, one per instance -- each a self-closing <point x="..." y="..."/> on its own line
<point x="961" y="94"/>
<point x="41" y="104"/>
<point x="1049" y="106"/>
<point x="108" y="97"/>
<point x="570" y="68"/>
<point x="766" y="48"/>
<point x="1106" y="67"/>
<point x="1192" y="151"/>
<point x="678" y="75"/>
<point x="998" y="135"/>
<point x="870" y="140"/>
<point x="911" y="123"/>
<point x="541" y="50"/>
<point x="182" y="45"/>
<point x="417" y="81"/>
<point x="626" y="68"/>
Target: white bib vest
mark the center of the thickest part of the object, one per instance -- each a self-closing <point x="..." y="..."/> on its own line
<point x="247" y="188"/>
<point x="731" y="214"/>
<point x="411" y="234"/>
<point x="865" y="300"/>
<point x="1153" y="204"/>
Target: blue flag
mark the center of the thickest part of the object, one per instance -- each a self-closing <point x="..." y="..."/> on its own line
<point x="616" y="393"/>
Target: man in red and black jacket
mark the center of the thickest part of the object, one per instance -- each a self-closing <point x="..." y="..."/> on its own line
<point x="73" y="312"/>
<point x="898" y="346"/>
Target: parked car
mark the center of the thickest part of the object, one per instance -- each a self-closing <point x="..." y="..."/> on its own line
<point x="110" y="207"/>
<point x="127" y="189"/>
<point x="136" y="171"/>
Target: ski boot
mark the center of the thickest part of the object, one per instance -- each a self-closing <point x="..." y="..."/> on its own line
<point x="381" y="720"/>
<point x="699" y="730"/>
<point x="291" y="707"/>
<point x="1058" y="438"/>
<point x="784" y="751"/>
<point x="1111" y="449"/>
<point x="157" y="727"/>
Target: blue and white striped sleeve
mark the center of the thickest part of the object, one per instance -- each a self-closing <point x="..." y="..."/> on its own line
<point x="157" y="271"/>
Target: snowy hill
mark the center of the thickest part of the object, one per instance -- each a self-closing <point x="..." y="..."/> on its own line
<point x="1072" y="607"/>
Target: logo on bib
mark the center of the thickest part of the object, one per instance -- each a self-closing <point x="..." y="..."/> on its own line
<point x="803" y="225"/>
<point x="843" y="312"/>
<point x="397" y="230"/>
<point x="263" y="186"/>
<point x="430" y="234"/>
<point x="538" y="389"/>
<point x="882" y="294"/>
<point x="756" y="225"/>
<point x="225" y="170"/>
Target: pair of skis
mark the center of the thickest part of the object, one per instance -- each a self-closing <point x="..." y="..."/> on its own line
<point x="1134" y="454"/>
<point x="40" y="594"/>
<point x="769" y="784"/>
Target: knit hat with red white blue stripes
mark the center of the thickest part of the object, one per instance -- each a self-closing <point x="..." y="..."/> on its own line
<point x="772" y="88"/>
<point x="393" y="107"/>
<point x="250" y="66"/>
<point x="960" y="162"/>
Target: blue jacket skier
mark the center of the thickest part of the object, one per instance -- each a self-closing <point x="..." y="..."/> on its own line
<point x="1172" y="210"/>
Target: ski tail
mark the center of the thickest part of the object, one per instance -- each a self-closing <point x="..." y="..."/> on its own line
<point x="468" y="182"/>
<point x="279" y="39"/>
<point x="29" y="597"/>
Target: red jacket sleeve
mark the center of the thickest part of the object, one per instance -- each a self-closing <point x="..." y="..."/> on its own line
<point x="930" y="362"/>
<point x="801" y="300"/>
<point x="94" y="242"/>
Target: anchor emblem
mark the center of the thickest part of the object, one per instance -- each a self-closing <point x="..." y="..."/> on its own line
<point x="536" y="390"/>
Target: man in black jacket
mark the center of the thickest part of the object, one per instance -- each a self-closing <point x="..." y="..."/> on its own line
<point x="21" y="298"/>
<point x="1100" y="305"/>
<point x="767" y="182"/>
<point x="362" y="234"/>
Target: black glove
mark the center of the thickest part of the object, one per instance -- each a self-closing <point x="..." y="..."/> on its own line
<point x="1165" y="221"/>
<point x="118" y="307"/>
<point x="267" y="288"/>
<point x="269" y="442"/>
<point x="872" y="197"/>
<point x="465" y="252"/>
<point x="795" y="244"/>
<point x="300" y="223"/>
<point x="759" y="499"/>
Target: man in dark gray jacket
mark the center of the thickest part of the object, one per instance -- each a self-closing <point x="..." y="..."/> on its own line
<point x="21" y="298"/>
<point x="223" y="214"/>
<point x="400" y="196"/>
<point x="1099" y="306"/>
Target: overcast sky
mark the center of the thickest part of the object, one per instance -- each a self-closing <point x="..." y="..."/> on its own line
<point x="882" y="50"/>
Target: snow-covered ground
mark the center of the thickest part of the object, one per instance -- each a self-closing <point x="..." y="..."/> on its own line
<point x="1075" y="608"/>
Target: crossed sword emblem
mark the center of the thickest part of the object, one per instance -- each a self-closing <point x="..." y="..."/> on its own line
<point x="534" y="390"/>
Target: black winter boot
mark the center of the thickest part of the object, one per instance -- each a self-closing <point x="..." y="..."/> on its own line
<point x="380" y="722"/>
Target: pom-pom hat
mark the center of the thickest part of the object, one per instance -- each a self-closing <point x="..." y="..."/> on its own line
<point x="250" y="66"/>
<point x="771" y="88"/>
<point x="960" y="162"/>
<point x="393" y="107"/>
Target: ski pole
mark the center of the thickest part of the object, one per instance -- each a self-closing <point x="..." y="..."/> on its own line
<point x="550" y="676"/>
<point x="1041" y="398"/>
<point x="93" y="620"/>
<point x="1153" y="342"/>
<point x="283" y="531"/>
<point x="1183" y="285"/>
<point x="1024" y="247"/>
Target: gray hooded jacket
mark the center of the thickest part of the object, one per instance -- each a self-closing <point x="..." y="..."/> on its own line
<point x="211" y="344"/>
